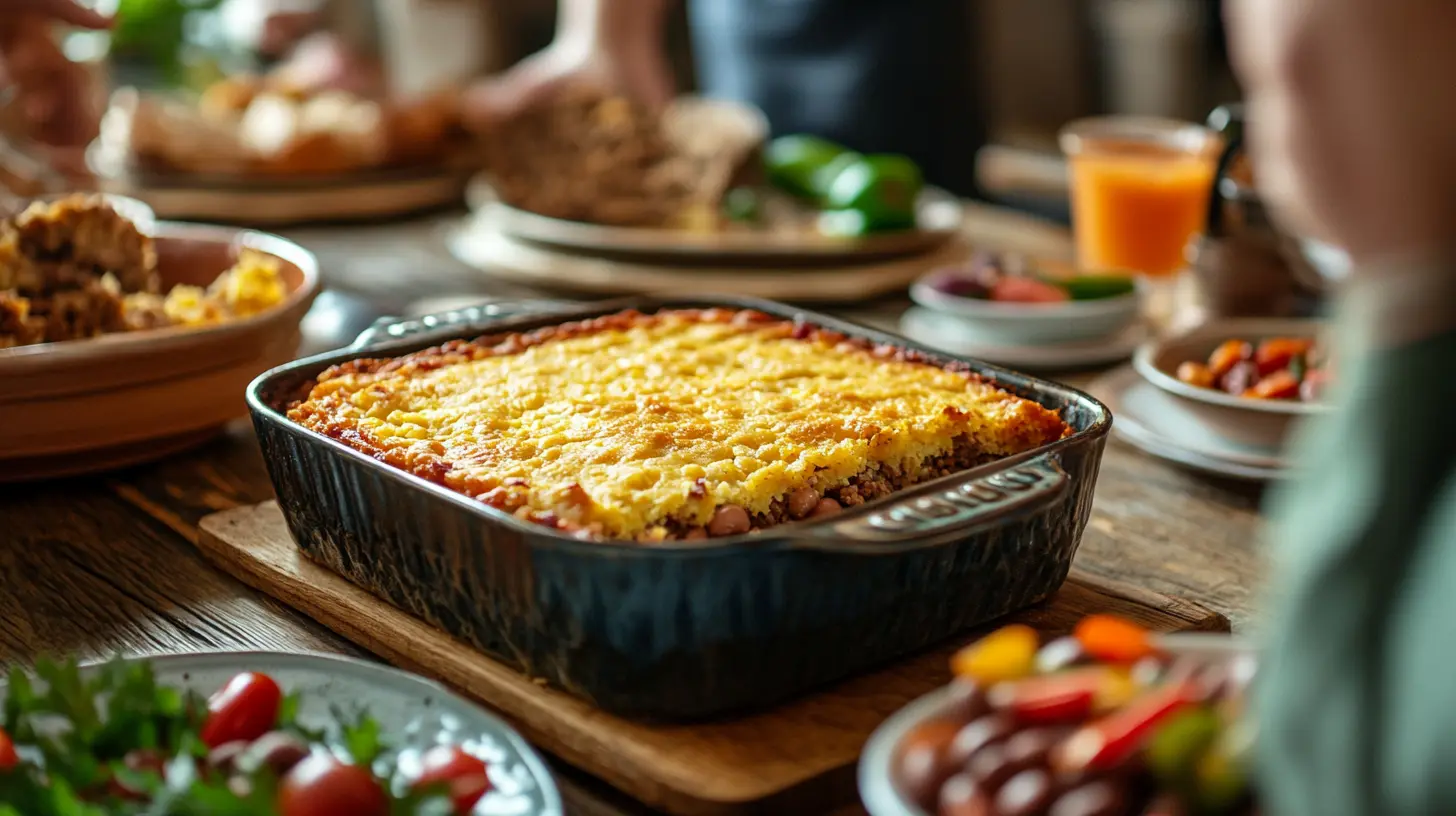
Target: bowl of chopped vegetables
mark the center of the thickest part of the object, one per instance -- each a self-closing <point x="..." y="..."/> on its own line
<point x="256" y="734"/>
<point x="1250" y="379"/>
<point x="1016" y="300"/>
<point x="1111" y="719"/>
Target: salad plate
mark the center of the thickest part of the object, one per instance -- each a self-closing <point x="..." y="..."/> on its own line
<point x="400" y="716"/>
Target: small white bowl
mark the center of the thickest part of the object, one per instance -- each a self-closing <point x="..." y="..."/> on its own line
<point x="1034" y="323"/>
<point x="1242" y="419"/>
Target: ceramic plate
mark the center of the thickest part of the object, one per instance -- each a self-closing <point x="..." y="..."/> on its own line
<point x="940" y="217"/>
<point x="1158" y="423"/>
<point x="957" y="336"/>
<point x="480" y="243"/>
<point x="411" y="711"/>
<point x="346" y="198"/>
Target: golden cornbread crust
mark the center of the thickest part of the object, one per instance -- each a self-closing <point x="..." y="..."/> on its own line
<point x="677" y="424"/>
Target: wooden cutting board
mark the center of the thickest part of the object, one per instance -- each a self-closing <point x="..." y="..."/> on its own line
<point x="797" y="758"/>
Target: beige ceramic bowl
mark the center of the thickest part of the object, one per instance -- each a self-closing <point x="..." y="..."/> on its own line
<point x="88" y="405"/>
<point x="1241" y="419"/>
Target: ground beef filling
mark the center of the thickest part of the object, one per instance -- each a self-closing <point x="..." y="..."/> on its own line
<point x="807" y="503"/>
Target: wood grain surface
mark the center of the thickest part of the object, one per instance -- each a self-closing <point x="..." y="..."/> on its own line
<point x="105" y="565"/>
<point x="795" y="757"/>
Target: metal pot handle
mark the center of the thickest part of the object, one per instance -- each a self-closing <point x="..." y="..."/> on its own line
<point x="940" y="510"/>
<point x="449" y="323"/>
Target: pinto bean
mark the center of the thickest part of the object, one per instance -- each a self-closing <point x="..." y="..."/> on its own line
<point x="802" y="502"/>
<point x="730" y="519"/>
<point x="826" y="507"/>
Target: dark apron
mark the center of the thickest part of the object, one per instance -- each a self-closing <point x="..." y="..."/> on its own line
<point x="890" y="76"/>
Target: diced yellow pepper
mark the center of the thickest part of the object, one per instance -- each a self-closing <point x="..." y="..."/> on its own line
<point x="1008" y="653"/>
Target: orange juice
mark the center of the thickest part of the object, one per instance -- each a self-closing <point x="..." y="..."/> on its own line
<point x="1138" y="196"/>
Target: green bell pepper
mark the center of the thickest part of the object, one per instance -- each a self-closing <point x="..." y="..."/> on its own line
<point x="792" y="162"/>
<point x="883" y="188"/>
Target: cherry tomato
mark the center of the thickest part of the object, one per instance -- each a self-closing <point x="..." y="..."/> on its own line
<point x="1227" y="355"/>
<point x="244" y="709"/>
<point x="465" y="777"/>
<point x="323" y="786"/>
<point x="8" y="757"/>
<point x="1027" y="290"/>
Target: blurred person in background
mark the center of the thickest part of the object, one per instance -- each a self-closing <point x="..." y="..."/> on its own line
<point x="1353" y="130"/>
<point x="875" y="75"/>
<point x="47" y="97"/>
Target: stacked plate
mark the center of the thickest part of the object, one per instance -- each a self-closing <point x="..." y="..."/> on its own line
<point x="794" y="265"/>
<point x="1025" y="335"/>
<point x="1205" y="429"/>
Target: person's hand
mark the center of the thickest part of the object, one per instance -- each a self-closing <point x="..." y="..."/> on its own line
<point x="52" y="93"/>
<point x="282" y="30"/>
<point x="323" y="61"/>
<point x="634" y="67"/>
<point x="1352" y="124"/>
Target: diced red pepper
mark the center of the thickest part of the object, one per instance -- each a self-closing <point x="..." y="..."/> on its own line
<point x="8" y="756"/>
<point x="1112" y="740"/>
<point x="1113" y="639"/>
<point x="1279" y="385"/>
<point x="1052" y="698"/>
<point x="1064" y="697"/>
<point x="1276" y="353"/>
<point x="1227" y="355"/>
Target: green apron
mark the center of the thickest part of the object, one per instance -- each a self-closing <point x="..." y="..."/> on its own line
<point x="1357" y="694"/>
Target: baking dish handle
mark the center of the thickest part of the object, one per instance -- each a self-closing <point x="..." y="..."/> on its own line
<point x="929" y="516"/>
<point x="449" y="323"/>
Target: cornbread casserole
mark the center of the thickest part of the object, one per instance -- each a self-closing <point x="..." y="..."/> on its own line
<point x="676" y="425"/>
<point x="76" y="268"/>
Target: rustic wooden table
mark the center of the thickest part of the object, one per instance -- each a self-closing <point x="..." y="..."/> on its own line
<point x="104" y="565"/>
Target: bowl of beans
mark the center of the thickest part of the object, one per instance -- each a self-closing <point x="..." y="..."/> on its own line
<point x="1109" y="721"/>
<point x="1247" y="380"/>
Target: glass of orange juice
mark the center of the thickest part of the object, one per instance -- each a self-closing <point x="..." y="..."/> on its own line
<point x="1140" y="191"/>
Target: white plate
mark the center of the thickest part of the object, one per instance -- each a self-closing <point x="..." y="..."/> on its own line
<point x="957" y="336"/>
<point x="411" y="711"/>
<point x="1160" y="424"/>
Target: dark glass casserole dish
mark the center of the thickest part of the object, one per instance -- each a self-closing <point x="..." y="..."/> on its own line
<point x="685" y="630"/>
